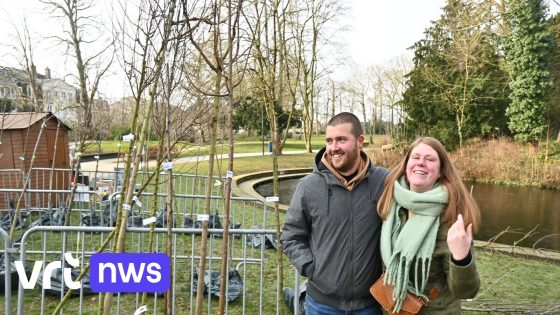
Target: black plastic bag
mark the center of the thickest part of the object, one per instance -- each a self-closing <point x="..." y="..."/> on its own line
<point x="7" y="219"/>
<point x="161" y="219"/>
<point x="212" y="283"/>
<point x="256" y="240"/>
<point x="135" y="220"/>
<point x="51" y="217"/>
<point x="213" y="222"/>
<point x="289" y="298"/>
<point x="109" y="217"/>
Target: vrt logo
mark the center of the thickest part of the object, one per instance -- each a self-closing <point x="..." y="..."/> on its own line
<point x="47" y="273"/>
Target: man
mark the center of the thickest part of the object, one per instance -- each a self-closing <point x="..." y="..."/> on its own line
<point x="332" y="228"/>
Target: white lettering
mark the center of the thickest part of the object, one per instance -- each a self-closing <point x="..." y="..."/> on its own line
<point x="152" y="270"/>
<point x="113" y="270"/>
<point x="28" y="283"/>
<point x="47" y="273"/>
<point x="131" y="272"/>
<point x="74" y="285"/>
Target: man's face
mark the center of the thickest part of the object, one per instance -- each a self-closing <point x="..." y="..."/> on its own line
<point x="343" y="148"/>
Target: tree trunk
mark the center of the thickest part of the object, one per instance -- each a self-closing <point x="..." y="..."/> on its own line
<point x="208" y="194"/>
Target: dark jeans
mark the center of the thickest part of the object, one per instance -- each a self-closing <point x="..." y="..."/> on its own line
<point x="313" y="307"/>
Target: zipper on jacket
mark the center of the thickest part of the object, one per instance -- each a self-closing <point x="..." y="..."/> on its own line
<point x="329" y="199"/>
<point x="351" y="286"/>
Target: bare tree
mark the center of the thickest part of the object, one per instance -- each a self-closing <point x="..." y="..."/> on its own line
<point x="358" y="86"/>
<point x="146" y="49"/>
<point x="215" y="34"/>
<point x="24" y="48"/>
<point x="312" y="33"/>
<point x="392" y="83"/>
<point x="266" y="26"/>
<point x="81" y="31"/>
<point x="468" y="26"/>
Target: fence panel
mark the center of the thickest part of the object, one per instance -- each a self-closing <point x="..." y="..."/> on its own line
<point x="250" y="265"/>
<point x="6" y="272"/>
<point x="10" y="179"/>
<point x="251" y="253"/>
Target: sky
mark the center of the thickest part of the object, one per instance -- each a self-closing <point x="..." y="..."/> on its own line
<point x="381" y="30"/>
<point x="378" y="31"/>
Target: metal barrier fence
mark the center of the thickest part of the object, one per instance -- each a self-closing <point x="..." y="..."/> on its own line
<point x="10" y="179"/>
<point x="251" y="265"/>
<point x="251" y="231"/>
<point x="5" y="273"/>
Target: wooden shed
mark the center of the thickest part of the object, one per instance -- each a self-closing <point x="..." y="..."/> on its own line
<point x="38" y="138"/>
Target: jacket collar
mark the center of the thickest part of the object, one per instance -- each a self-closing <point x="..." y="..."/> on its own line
<point x="324" y="166"/>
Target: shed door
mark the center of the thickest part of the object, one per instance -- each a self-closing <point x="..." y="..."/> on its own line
<point x="6" y="154"/>
<point x="59" y="157"/>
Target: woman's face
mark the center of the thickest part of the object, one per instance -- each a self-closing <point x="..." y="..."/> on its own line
<point x="422" y="168"/>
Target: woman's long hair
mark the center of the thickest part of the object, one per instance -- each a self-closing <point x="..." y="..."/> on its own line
<point x="460" y="200"/>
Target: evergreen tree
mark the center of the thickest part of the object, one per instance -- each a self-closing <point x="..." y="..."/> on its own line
<point x="527" y="49"/>
<point x="457" y="89"/>
<point x="554" y="100"/>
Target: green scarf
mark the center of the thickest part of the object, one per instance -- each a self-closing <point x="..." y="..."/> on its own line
<point x="414" y="241"/>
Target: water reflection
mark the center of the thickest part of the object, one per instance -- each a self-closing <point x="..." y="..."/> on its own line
<point x="520" y="209"/>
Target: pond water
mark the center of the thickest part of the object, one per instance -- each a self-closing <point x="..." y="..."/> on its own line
<point x="518" y="209"/>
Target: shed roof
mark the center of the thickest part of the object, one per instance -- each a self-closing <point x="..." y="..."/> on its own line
<point x="23" y="120"/>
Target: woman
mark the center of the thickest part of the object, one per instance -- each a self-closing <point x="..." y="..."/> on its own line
<point x="425" y="246"/>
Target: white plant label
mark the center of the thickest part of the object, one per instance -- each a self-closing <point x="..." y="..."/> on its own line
<point x="137" y="201"/>
<point x="203" y="217"/>
<point x="128" y="137"/>
<point x="149" y="220"/>
<point x="272" y="199"/>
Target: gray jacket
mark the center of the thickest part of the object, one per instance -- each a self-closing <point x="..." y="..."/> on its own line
<point x="331" y="235"/>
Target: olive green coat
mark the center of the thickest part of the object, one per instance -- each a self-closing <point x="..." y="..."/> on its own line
<point x="457" y="282"/>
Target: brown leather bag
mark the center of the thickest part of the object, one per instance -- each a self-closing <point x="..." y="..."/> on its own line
<point x="412" y="304"/>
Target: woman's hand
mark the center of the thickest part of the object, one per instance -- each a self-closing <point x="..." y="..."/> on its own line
<point x="458" y="239"/>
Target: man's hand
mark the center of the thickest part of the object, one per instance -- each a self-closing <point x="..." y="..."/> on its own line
<point x="458" y="239"/>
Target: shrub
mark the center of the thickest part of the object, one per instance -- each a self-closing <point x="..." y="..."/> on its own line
<point x="118" y="132"/>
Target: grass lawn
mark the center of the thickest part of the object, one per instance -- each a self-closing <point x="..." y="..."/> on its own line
<point x="248" y="164"/>
<point x="240" y="146"/>
<point x="514" y="285"/>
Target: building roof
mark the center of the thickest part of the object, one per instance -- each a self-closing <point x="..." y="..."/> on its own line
<point x="23" y="120"/>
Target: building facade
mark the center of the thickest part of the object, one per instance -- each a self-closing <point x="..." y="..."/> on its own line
<point x="53" y="95"/>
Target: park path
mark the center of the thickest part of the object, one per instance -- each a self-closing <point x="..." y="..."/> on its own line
<point x="109" y="165"/>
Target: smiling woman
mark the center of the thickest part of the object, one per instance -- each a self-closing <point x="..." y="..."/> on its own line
<point x="422" y="169"/>
<point x="428" y="223"/>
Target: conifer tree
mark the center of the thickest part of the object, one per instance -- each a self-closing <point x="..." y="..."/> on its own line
<point x="527" y="48"/>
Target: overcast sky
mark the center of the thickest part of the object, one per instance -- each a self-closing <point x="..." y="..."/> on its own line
<point x="379" y="30"/>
